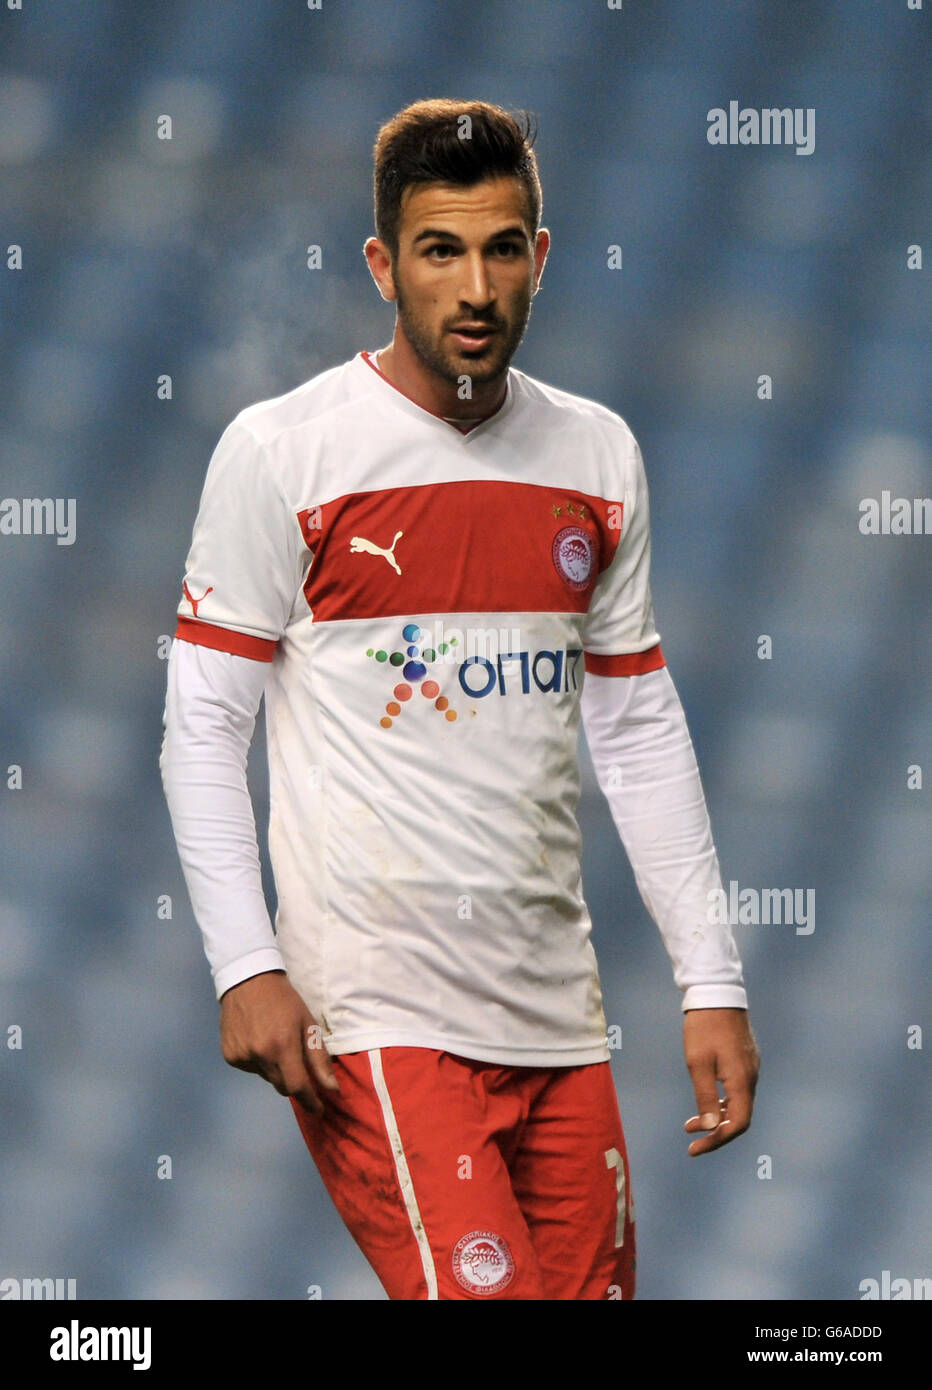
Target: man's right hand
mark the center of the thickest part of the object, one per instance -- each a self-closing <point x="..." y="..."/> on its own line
<point x="266" y="1027"/>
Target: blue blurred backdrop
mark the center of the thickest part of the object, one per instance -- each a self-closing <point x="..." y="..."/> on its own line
<point x="143" y="257"/>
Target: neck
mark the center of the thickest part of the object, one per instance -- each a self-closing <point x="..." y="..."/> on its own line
<point x="404" y="369"/>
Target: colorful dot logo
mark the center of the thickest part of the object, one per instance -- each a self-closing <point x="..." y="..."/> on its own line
<point x="414" y="661"/>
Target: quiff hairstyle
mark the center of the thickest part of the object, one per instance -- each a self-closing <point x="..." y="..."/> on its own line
<point x="430" y="142"/>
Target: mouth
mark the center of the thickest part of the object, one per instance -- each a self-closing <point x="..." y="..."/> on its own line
<point x="473" y="337"/>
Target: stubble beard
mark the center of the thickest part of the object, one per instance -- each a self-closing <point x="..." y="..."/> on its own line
<point x="452" y="366"/>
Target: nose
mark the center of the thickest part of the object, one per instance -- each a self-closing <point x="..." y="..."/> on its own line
<point x="476" y="288"/>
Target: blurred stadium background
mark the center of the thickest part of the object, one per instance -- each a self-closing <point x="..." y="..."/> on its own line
<point x="143" y="257"/>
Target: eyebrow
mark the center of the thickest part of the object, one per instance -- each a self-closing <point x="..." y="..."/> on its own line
<point x="429" y="232"/>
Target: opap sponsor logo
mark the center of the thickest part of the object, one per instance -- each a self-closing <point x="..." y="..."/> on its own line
<point x="422" y="664"/>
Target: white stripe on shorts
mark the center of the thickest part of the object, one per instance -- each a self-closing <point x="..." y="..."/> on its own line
<point x="404" y="1175"/>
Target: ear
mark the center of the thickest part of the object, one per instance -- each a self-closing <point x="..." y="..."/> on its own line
<point x="379" y="259"/>
<point x="541" y="248"/>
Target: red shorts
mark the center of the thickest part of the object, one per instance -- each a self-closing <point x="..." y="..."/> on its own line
<point x="465" y="1179"/>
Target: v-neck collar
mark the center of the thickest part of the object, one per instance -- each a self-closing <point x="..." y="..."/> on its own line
<point x="392" y="393"/>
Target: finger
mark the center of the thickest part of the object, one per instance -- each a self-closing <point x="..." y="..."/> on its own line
<point x="724" y="1132"/>
<point x="321" y="1069"/>
<point x="708" y="1103"/>
<point x="297" y="1082"/>
<point x="244" y="1064"/>
<point x="308" y="1099"/>
<point x="284" y="1070"/>
<point x="706" y="1122"/>
<point x="722" y="1135"/>
<point x="318" y="1058"/>
<point x="739" y="1104"/>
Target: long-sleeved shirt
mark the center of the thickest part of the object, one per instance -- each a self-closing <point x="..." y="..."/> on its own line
<point x="430" y="614"/>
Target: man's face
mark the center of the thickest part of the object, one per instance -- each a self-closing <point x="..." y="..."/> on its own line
<point x="464" y="276"/>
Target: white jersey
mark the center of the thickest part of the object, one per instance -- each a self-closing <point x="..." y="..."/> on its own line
<point x="426" y="605"/>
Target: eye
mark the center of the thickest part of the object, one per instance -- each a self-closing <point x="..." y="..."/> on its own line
<point x="441" y="250"/>
<point x="508" y="248"/>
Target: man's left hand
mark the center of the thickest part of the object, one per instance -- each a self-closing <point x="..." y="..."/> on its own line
<point x="720" y="1046"/>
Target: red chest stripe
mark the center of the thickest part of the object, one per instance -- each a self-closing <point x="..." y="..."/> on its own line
<point x="465" y="547"/>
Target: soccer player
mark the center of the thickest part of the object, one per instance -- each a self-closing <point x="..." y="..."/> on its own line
<point x="434" y="566"/>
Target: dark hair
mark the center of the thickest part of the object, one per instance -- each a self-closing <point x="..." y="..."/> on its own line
<point x="425" y="143"/>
